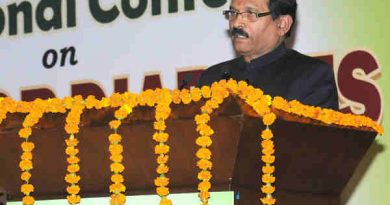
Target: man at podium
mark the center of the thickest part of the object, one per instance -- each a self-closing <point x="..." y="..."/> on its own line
<point x="258" y="30"/>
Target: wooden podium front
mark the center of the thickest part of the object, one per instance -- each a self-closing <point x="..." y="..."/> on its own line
<point x="314" y="162"/>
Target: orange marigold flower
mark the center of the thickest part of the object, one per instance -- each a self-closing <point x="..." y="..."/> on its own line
<point x="267" y="169"/>
<point x="206" y="91"/>
<point x="117" y="199"/>
<point x="162" y="191"/>
<point x="116" y="158"/>
<point x="162" y="169"/>
<point x="116" y="100"/>
<point x="72" y="142"/>
<point x="114" y="138"/>
<point x="204" y="175"/>
<point x="185" y="96"/>
<point x="73" y="160"/>
<point x="116" y="188"/>
<point x="165" y="201"/>
<point x="159" y="125"/>
<point x="27" y="189"/>
<point x="204" y="141"/>
<point x="71" y="129"/>
<point x="120" y="114"/>
<point x="196" y="94"/>
<point x="161" y="181"/>
<point x="268" y="159"/>
<point x="267" y="144"/>
<point x="25" y="165"/>
<point x="114" y="124"/>
<point x="117" y="167"/>
<point x="267" y="134"/>
<point x="28" y="200"/>
<point x="204" y="129"/>
<point x="269" y="118"/>
<point x="162" y="159"/>
<point x="176" y="96"/>
<point x="268" y="151"/>
<point x="117" y="178"/>
<point x="91" y="101"/>
<point x="268" y="201"/>
<point x="204" y="195"/>
<point x="73" y="199"/>
<point x="160" y="136"/>
<point x="115" y="149"/>
<point x="267" y="178"/>
<point x="26" y="156"/>
<point x="72" y="178"/>
<point x="25" y="176"/>
<point x="204" y="164"/>
<point x="161" y="149"/>
<point x="203" y="153"/>
<point x="27" y="146"/>
<point x="71" y="151"/>
<point x="73" y="168"/>
<point x="25" y="132"/>
<point x="204" y="186"/>
<point x="202" y="118"/>
<point x="73" y="189"/>
<point x="268" y="189"/>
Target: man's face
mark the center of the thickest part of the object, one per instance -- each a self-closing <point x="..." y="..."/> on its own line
<point x="263" y="34"/>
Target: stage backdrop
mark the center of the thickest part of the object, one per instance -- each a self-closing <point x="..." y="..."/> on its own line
<point x="57" y="48"/>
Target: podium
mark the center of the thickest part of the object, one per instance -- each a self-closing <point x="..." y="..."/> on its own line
<point x="314" y="161"/>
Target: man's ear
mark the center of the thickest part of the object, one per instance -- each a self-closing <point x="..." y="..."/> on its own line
<point x="284" y="24"/>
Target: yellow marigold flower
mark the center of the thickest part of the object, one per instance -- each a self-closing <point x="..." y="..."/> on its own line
<point x="165" y="201"/>
<point x="116" y="188"/>
<point x="73" y="168"/>
<point x="116" y="158"/>
<point x="268" y="189"/>
<point x="105" y="102"/>
<point x="185" y="96"/>
<point x="114" y="138"/>
<point x="203" y="153"/>
<point x="267" y="169"/>
<point x="206" y="91"/>
<point x="117" y="178"/>
<point x="161" y="149"/>
<point x="71" y="151"/>
<point x="206" y="109"/>
<point x="28" y="200"/>
<point x="117" y="199"/>
<point x="27" y="189"/>
<point x="74" y="189"/>
<point x="90" y="101"/>
<point x="204" y="129"/>
<point x="176" y="96"/>
<point x="162" y="159"/>
<point x="267" y="178"/>
<point x="27" y="146"/>
<point x="71" y="129"/>
<point x="204" y="195"/>
<point x="269" y="118"/>
<point x="160" y="136"/>
<point x="26" y="156"/>
<point x="25" y="132"/>
<point x="25" y="176"/>
<point x="73" y="199"/>
<point x="117" y="167"/>
<point x="162" y="169"/>
<point x="202" y="118"/>
<point x="268" y="201"/>
<point x="162" y="112"/>
<point x="267" y="134"/>
<point x="204" y="186"/>
<point x="72" y="178"/>
<point x="114" y="124"/>
<point x="115" y="149"/>
<point x="116" y="100"/>
<point x="159" y="125"/>
<point x="25" y="165"/>
<point x="204" y="175"/>
<point x="204" y="164"/>
<point x="268" y="159"/>
<point x="73" y="160"/>
<point x="267" y="144"/>
<point x="196" y="94"/>
<point x="161" y="181"/>
<point x="72" y="142"/>
<point x="268" y="151"/>
<point x="162" y="191"/>
<point x="120" y="114"/>
<point x="204" y="141"/>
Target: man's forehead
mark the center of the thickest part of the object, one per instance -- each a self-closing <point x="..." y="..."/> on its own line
<point x="248" y="4"/>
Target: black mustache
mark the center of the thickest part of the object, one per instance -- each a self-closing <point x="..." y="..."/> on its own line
<point x="238" y="31"/>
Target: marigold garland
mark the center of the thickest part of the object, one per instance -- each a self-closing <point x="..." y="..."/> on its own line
<point x="76" y="106"/>
<point x="162" y="112"/>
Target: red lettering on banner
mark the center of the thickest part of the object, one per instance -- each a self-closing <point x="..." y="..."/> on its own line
<point x="85" y="89"/>
<point x="32" y="94"/>
<point x="186" y="79"/>
<point x="356" y="80"/>
<point x="152" y="82"/>
<point x="120" y="85"/>
<point x="3" y="95"/>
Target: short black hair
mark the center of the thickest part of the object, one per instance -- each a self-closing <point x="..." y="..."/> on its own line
<point x="283" y="7"/>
